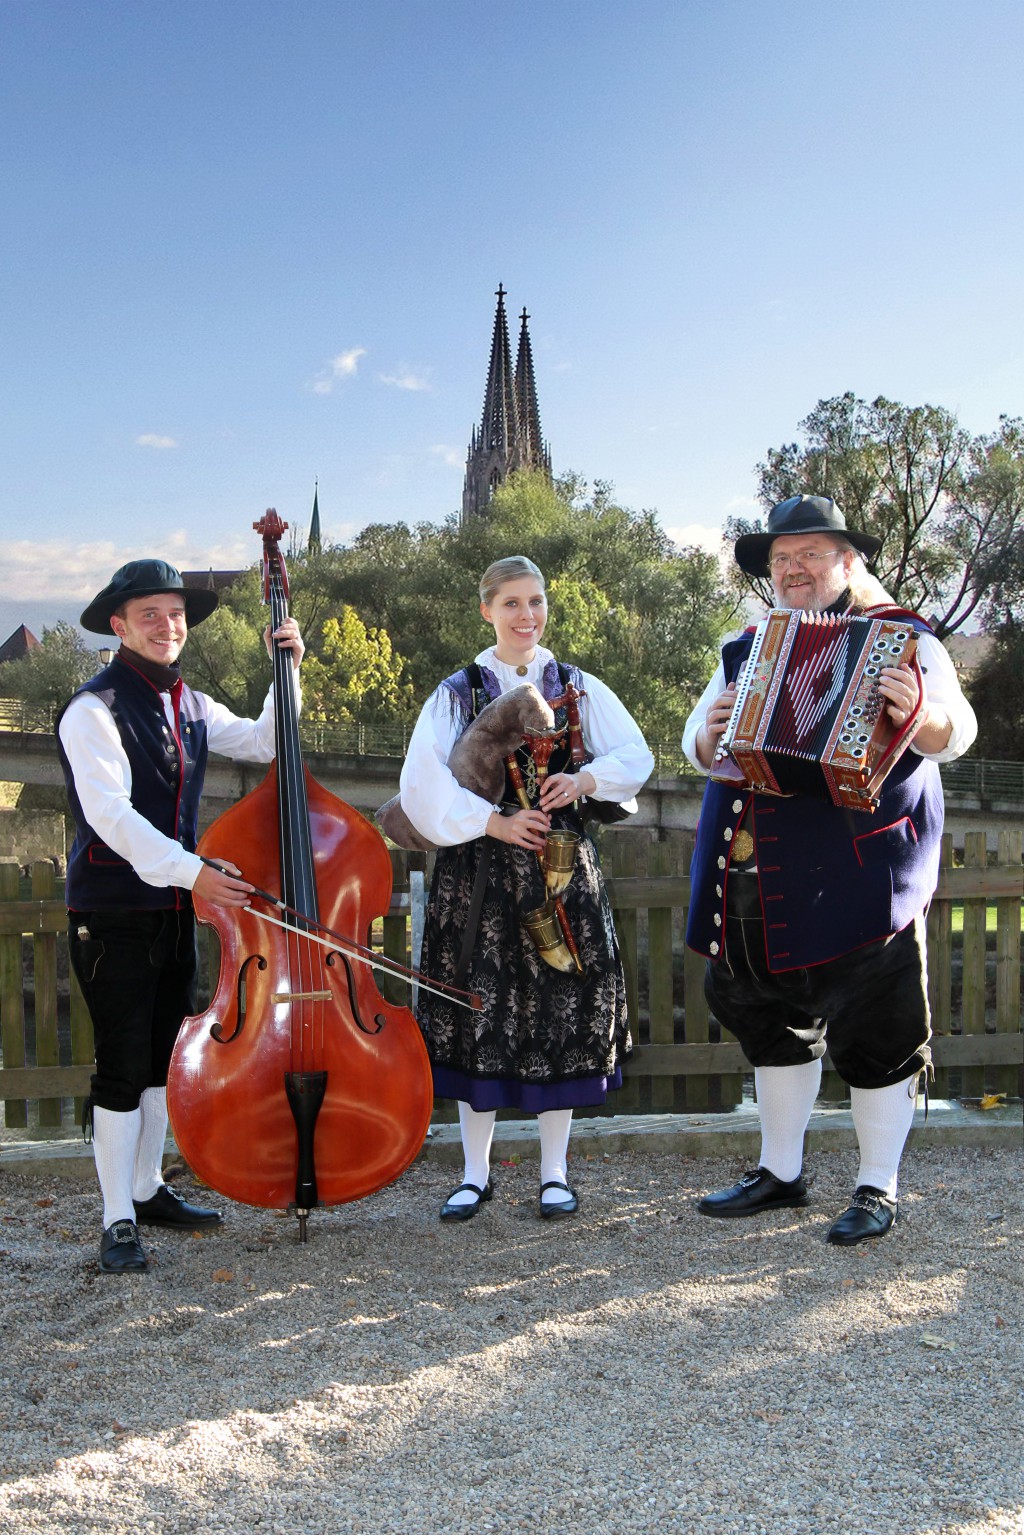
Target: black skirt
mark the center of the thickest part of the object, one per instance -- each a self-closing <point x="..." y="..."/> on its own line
<point x="539" y="1027"/>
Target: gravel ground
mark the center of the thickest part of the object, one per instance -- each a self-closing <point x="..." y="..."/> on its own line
<point x="638" y="1368"/>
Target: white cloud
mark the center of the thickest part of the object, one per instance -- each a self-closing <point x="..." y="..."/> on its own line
<point x="453" y="458"/>
<point x="405" y="378"/>
<point x="154" y="440"/>
<point x="697" y="533"/>
<point x="56" y="570"/>
<point x="345" y="365"/>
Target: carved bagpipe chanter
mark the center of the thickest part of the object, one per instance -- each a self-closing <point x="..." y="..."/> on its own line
<point x="808" y="717"/>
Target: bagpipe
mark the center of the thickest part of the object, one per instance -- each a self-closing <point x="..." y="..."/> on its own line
<point x="480" y="760"/>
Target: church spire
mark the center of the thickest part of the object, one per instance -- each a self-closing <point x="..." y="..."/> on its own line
<point x="532" y="451"/>
<point x="509" y="434"/>
<point x="313" y="544"/>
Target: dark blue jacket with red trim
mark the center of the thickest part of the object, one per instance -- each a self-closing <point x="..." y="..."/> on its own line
<point x="167" y="769"/>
<point x="830" y="879"/>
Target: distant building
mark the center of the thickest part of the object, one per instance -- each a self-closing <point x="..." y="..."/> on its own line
<point x="18" y="645"/>
<point x="967" y="652"/>
<point x="212" y="580"/>
<point x="509" y="436"/>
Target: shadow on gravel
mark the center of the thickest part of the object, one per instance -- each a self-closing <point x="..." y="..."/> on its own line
<point x="653" y="1354"/>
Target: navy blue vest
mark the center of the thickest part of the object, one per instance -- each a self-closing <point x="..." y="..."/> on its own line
<point x="167" y="781"/>
<point x="830" y="879"/>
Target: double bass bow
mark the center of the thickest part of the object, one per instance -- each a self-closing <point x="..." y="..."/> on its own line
<point x="300" y="1085"/>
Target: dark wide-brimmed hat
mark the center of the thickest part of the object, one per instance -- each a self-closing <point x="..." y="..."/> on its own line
<point x="146" y="578"/>
<point x="800" y="514"/>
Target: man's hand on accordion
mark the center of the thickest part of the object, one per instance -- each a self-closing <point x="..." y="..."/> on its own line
<point x="713" y="728"/>
<point x="901" y="687"/>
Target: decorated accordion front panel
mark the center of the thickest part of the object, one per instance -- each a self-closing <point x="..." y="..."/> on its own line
<point x="808" y="716"/>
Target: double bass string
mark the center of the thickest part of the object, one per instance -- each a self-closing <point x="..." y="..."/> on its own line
<point x="363" y="956"/>
<point x="297" y="873"/>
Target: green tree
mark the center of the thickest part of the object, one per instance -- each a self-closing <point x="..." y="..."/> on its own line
<point x="947" y="507"/>
<point x="226" y="656"/>
<point x="626" y="604"/>
<point x="997" y="694"/>
<point x="50" y="674"/>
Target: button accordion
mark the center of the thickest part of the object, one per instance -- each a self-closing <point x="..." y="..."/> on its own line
<point x="808" y="717"/>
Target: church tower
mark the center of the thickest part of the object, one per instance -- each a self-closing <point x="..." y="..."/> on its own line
<point x="509" y="436"/>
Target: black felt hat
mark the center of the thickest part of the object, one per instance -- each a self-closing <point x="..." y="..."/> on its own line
<point x="146" y="578"/>
<point x="800" y="514"/>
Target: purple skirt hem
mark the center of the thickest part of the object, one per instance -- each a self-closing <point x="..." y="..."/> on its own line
<point x="482" y="1093"/>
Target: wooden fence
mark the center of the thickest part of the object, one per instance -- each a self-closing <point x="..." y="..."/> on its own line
<point x="681" y="1061"/>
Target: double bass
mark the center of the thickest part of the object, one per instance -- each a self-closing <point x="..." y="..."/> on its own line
<point x="300" y="1085"/>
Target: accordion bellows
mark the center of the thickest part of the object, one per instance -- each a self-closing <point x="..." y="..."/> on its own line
<point x="808" y="717"/>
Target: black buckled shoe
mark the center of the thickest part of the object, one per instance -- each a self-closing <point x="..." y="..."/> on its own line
<point x="120" y="1249"/>
<point x="756" y="1191"/>
<point x="465" y="1211"/>
<point x="554" y="1209"/>
<point x="166" y="1208"/>
<point x="871" y="1213"/>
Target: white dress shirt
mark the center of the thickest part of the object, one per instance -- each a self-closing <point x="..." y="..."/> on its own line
<point x="103" y="779"/>
<point x="447" y="814"/>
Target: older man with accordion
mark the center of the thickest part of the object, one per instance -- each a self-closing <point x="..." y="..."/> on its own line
<point x="818" y="851"/>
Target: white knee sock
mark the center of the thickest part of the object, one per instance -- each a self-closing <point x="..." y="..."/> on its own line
<point x="882" y="1117"/>
<point x="554" y="1127"/>
<point x="149" y="1154"/>
<point x="115" y="1136"/>
<point x="785" y="1098"/>
<point x="477" y="1134"/>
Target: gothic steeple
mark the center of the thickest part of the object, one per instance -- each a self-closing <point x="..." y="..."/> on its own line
<point x="313" y="544"/>
<point x="509" y="434"/>
<point x="532" y="449"/>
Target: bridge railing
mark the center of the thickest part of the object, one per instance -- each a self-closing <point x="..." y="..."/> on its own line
<point x="986" y="781"/>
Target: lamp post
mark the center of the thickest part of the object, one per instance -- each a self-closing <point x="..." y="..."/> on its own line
<point x="106" y="655"/>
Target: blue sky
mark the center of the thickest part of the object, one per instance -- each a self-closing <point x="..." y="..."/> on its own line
<point x="247" y="245"/>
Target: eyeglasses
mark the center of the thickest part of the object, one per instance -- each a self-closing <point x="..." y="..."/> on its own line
<point x="807" y="559"/>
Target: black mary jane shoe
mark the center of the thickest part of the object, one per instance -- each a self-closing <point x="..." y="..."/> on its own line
<point x="465" y="1211"/>
<point x="756" y="1191"/>
<point x="166" y="1208"/>
<point x="871" y="1213"/>
<point x="555" y="1209"/>
<point x="120" y="1249"/>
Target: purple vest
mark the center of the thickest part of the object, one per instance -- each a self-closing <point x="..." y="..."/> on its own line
<point x="167" y="781"/>
<point x="830" y="879"/>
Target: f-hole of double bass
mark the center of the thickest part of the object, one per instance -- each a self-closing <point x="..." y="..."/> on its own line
<point x="241" y="1002"/>
<point x="378" y="1018"/>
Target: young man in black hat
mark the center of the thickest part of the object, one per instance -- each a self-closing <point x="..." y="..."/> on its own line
<point x="811" y="915"/>
<point x="133" y="744"/>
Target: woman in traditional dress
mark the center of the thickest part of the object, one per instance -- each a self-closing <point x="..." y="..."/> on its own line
<point x="547" y="1040"/>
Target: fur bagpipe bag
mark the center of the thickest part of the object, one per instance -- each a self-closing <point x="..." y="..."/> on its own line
<point x="477" y="762"/>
